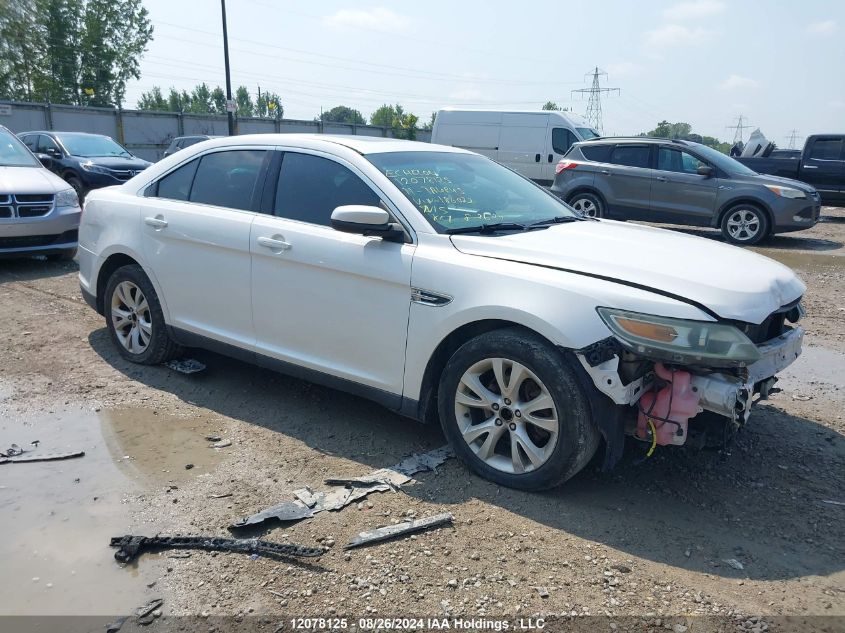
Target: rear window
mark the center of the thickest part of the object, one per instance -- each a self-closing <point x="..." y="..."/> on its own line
<point x="597" y="153"/>
<point x="631" y="155"/>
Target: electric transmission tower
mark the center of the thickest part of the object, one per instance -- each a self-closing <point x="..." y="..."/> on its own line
<point x="739" y="127"/>
<point x="792" y="138"/>
<point x="595" y="91"/>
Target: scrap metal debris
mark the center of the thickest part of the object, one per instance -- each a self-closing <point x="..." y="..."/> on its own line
<point x="185" y="365"/>
<point x="144" y="615"/>
<point x="129" y="547"/>
<point x="833" y="503"/>
<point x="48" y="457"/>
<point x="400" y="529"/>
<point x="13" y="450"/>
<point x="732" y="562"/>
<point x="222" y="444"/>
<point x="345" y="491"/>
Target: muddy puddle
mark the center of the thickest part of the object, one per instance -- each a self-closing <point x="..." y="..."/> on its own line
<point x="806" y="261"/>
<point x="56" y="518"/>
<point x="818" y="372"/>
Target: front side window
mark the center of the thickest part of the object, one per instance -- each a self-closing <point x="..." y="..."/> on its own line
<point x="46" y="144"/>
<point x="562" y="140"/>
<point x="462" y="191"/>
<point x="311" y="187"/>
<point x="677" y="161"/>
<point x="631" y="155"/>
<point x="827" y="149"/>
<point x="228" y="179"/>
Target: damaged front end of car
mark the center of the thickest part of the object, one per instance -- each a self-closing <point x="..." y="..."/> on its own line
<point x="685" y="382"/>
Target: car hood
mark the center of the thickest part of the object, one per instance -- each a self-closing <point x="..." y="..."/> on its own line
<point x="765" y="179"/>
<point x="117" y="162"/>
<point x="20" y="180"/>
<point x="729" y="281"/>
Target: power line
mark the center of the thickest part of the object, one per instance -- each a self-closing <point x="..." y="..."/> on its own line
<point x="594" y="105"/>
<point x="739" y="127"/>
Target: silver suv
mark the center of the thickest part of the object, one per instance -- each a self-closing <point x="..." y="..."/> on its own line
<point x="39" y="212"/>
<point x="681" y="182"/>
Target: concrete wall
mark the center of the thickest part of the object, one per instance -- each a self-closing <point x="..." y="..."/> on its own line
<point x="147" y="134"/>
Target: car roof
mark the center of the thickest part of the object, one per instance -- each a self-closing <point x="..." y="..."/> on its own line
<point x="608" y="140"/>
<point x="359" y="144"/>
<point x="59" y="132"/>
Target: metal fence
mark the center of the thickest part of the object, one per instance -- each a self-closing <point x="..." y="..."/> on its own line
<point x="147" y="133"/>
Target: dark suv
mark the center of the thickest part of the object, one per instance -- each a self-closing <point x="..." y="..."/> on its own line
<point x="85" y="161"/>
<point x="681" y="182"/>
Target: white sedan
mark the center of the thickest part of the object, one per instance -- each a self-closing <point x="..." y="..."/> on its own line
<point x="444" y="286"/>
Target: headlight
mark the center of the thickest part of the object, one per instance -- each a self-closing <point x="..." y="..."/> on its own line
<point x="786" y="192"/>
<point x="95" y="169"/>
<point x="67" y="198"/>
<point x="680" y="340"/>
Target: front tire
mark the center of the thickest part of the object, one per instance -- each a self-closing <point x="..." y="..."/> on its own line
<point x="135" y="318"/>
<point x="74" y="181"/>
<point x="515" y="412"/>
<point x="744" y="225"/>
<point x="588" y="204"/>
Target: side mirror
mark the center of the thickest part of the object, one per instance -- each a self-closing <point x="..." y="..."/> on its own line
<point x="366" y="220"/>
<point x="46" y="160"/>
<point x="704" y="170"/>
<point x="54" y="152"/>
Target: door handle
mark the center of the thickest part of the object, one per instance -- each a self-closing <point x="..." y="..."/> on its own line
<point x="275" y="243"/>
<point x="606" y="172"/>
<point x="660" y="179"/>
<point x="551" y="157"/>
<point x="157" y="222"/>
<point x="536" y="158"/>
<point x="809" y="166"/>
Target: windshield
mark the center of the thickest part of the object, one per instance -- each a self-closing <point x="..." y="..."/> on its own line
<point x="90" y="145"/>
<point x="723" y="162"/>
<point x="460" y="191"/>
<point x="13" y="153"/>
<point x="586" y="133"/>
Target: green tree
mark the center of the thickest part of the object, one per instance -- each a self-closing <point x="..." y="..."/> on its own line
<point x="153" y="100"/>
<point x="178" y="101"/>
<point x="430" y="125"/>
<point x="383" y="116"/>
<point x="201" y="100"/>
<point x="71" y="51"/>
<point x="218" y="100"/>
<point x="343" y="114"/>
<point x="551" y="105"/>
<point x="243" y="100"/>
<point x="684" y="131"/>
<point x="404" y="124"/>
<point x="269" y="105"/>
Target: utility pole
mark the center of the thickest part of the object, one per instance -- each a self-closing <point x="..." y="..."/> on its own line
<point x="792" y="138"/>
<point x="230" y="105"/>
<point x="595" y="91"/>
<point x="739" y="127"/>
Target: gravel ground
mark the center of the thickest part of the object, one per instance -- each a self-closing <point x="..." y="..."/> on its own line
<point x="652" y="538"/>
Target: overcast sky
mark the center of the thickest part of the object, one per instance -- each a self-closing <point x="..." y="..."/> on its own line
<point x="780" y="63"/>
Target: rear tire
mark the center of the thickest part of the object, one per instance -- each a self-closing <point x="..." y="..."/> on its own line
<point x="514" y="411"/>
<point x="745" y="224"/>
<point x="135" y="318"/>
<point x="588" y="204"/>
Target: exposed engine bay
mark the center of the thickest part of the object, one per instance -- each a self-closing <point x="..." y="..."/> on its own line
<point x="673" y="403"/>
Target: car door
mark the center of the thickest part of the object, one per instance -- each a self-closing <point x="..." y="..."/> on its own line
<point x="823" y="165"/>
<point x="678" y="192"/>
<point x="195" y="223"/>
<point x="522" y="143"/>
<point x="626" y="181"/>
<point x="323" y="300"/>
<point x="560" y="139"/>
<point x="49" y="149"/>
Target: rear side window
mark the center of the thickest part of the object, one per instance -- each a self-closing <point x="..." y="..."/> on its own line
<point x="177" y="184"/>
<point x="827" y="149"/>
<point x="311" y="187"/>
<point x="631" y="155"/>
<point x="597" y="153"/>
<point x="228" y="179"/>
<point x="562" y="140"/>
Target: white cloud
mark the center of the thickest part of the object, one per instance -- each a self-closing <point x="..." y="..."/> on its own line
<point x="694" y="10"/>
<point x="738" y="81"/>
<point x="623" y="69"/>
<point x="377" y="18"/>
<point x="824" y="27"/>
<point x="674" y="34"/>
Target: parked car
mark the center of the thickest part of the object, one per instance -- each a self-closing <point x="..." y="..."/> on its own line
<point x="39" y="212"/>
<point x="681" y="182"/>
<point x="181" y="142"/>
<point x="529" y="142"/>
<point x="821" y="164"/>
<point x="85" y="161"/>
<point x="444" y="286"/>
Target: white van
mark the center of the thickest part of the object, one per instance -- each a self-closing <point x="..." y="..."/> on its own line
<point x="530" y="142"/>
